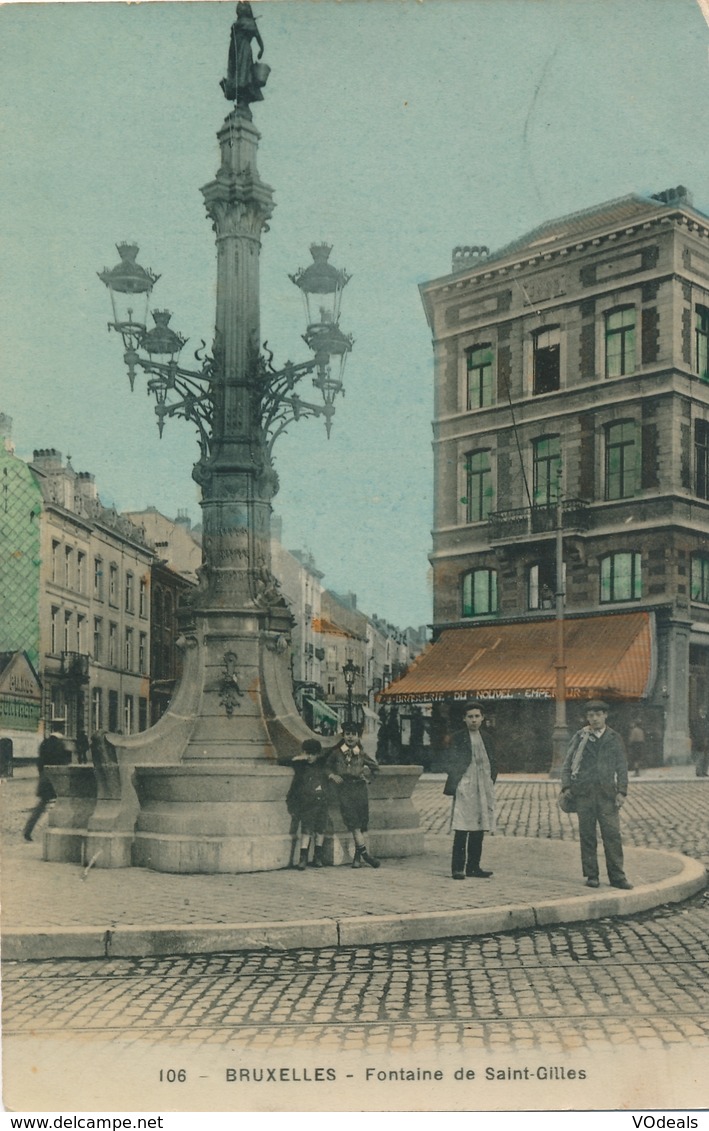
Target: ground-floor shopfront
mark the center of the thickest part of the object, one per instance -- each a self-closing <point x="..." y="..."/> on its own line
<point x="20" y="710"/>
<point x="639" y="662"/>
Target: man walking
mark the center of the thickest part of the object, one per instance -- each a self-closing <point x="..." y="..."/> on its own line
<point x="52" y="752"/>
<point x="595" y="772"/>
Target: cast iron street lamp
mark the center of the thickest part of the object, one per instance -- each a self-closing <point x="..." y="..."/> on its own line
<point x="350" y="671"/>
<point x="204" y="790"/>
<point x="232" y="719"/>
<point x="194" y="394"/>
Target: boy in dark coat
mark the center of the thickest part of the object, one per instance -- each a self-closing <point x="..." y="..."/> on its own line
<point x="351" y="769"/>
<point x="307" y="801"/>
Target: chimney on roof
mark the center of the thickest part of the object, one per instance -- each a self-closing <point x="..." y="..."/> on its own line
<point x="85" y="485"/>
<point x="679" y="195"/>
<point x="49" y="459"/>
<point x="183" y="519"/>
<point x="465" y="258"/>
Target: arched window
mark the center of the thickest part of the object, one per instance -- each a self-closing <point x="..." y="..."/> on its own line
<point x="113" y="584"/>
<point x="701" y="459"/>
<point x="621" y="459"/>
<point x="479" y="376"/>
<point x="546" y="464"/>
<point x="479" y="592"/>
<point x="541" y="585"/>
<point x="621" y="577"/>
<point x="620" y="341"/>
<point x="702" y="339"/>
<point x="478" y="485"/>
<point x="699" y="584"/>
<point x="546" y="360"/>
<point x="129" y="592"/>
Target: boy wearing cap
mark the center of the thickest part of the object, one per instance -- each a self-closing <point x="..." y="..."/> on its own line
<point x="307" y="801"/>
<point x="595" y="772"/>
<point x="350" y="769"/>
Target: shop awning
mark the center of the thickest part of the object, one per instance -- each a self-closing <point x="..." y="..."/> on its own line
<point x="609" y="657"/>
<point x="327" y="626"/>
<point x="322" y="713"/>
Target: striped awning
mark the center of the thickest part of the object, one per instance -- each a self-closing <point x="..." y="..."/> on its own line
<point x="327" y="626"/>
<point x="608" y="657"/>
<point x="321" y="712"/>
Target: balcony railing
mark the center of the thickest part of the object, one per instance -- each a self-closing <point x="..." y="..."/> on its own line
<point x="508" y="526"/>
<point x="75" y="667"/>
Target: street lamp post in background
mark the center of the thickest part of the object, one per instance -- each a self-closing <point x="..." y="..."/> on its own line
<point x="560" y="734"/>
<point x="350" y="671"/>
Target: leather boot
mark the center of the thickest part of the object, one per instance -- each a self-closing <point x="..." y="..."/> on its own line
<point x="318" y="861"/>
<point x="303" y="861"/>
<point x="369" y="859"/>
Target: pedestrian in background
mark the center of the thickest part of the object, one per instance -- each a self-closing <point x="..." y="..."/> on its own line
<point x="307" y="801"/>
<point x="636" y="747"/>
<point x="98" y="753"/>
<point x="52" y="752"/>
<point x="700" y="744"/>
<point x="471" y="783"/>
<point x="351" y="770"/>
<point x="82" y="748"/>
<point x="595" y="773"/>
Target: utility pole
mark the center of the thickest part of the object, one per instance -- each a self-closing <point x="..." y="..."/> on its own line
<point x="560" y="735"/>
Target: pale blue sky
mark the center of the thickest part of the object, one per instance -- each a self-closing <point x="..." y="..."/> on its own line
<point x="393" y="129"/>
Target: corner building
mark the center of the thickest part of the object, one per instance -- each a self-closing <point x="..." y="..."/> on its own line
<point x="574" y="360"/>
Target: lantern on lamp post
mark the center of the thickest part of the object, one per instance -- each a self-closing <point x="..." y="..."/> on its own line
<point x="350" y="671"/>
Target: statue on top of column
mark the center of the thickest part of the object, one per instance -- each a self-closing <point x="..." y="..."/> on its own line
<point x="245" y="78"/>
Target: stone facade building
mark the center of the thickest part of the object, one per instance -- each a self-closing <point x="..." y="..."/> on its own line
<point x="94" y="610"/>
<point x="174" y="540"/>
<point x="572" y="379"/>
<point x="74" y="596"/>
<point x="173" y="580"/>
<point x="170" y="613"/>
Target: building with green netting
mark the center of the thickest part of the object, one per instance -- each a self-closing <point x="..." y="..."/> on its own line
<point x="20" y="533"/>
<point x="74" y="598"/>
<point x="20" y="526"/>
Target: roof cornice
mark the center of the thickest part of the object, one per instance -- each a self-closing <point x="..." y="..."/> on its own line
<point x="507" y="266"/>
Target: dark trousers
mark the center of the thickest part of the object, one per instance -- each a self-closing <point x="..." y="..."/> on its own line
<point x="467" y="850"/>
<point x="35" y="815"/>
<point x="594" y="809"/>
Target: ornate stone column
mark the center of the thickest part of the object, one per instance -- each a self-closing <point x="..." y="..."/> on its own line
<point x="205" y="789"/>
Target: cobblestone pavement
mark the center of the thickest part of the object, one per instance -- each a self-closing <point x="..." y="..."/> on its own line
<point x="44" y="895"/>
<point x="640" y="982"/>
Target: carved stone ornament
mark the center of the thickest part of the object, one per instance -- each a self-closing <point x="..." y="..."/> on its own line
<point x="276" y="642"/>
<point x="267" y="591"/>
<point x="239" y="218"/>
<point x="231" y="693"/>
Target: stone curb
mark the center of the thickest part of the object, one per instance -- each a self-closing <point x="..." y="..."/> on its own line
<point x="360" y="930"/>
